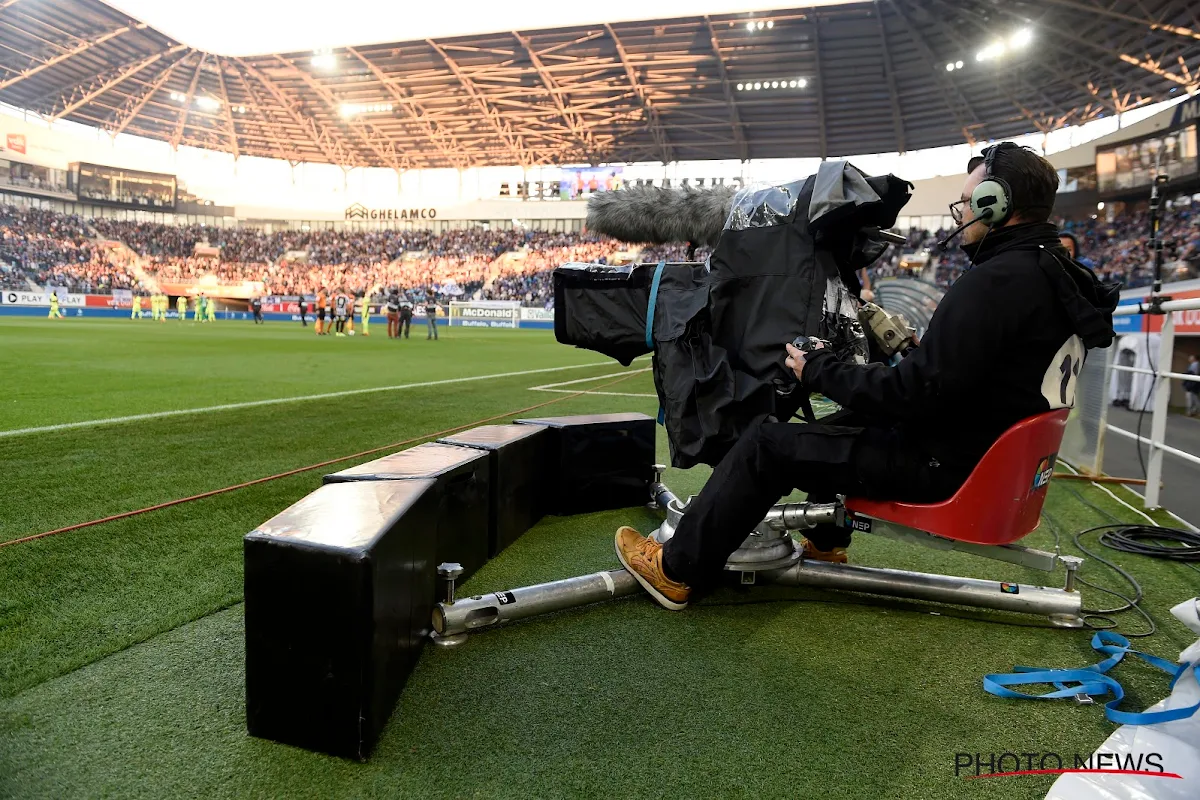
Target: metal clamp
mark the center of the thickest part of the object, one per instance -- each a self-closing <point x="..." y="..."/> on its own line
<point x="450" y="572"/>
<point x="1072" y="564"/>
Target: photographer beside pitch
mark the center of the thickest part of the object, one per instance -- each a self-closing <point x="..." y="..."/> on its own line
<point x="1006" y="343"/>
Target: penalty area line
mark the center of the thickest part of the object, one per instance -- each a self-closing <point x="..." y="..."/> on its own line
<point x="280" y="400"/>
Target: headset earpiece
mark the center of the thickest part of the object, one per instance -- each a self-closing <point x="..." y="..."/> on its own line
<point x="992" y="198"/>
<point x="991" y="201"/>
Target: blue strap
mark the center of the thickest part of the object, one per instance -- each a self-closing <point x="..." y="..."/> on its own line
<point x="1092" y="681"/>
<point x="658" y="271"/>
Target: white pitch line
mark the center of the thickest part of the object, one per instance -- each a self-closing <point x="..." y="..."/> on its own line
<point x="279" y="400"/>
<point x="555" y="387"/>
<point x="606" y="394"/>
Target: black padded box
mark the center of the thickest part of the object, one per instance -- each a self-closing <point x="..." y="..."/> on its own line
<point x="519" y="456"/>
<point x="598" y="461"/>
<point x="339" y="591"/>
<point x="463" y="477"/>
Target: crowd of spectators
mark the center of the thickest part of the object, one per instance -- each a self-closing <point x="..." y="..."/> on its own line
<point x="529" y="278"/>
<point x="39" y="247"/>
<point x="1118" y="250"/>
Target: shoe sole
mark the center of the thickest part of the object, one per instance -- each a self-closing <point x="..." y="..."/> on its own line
<point x="661" y="598"/>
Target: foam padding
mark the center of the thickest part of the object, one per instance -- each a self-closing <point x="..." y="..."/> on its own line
<point x="339" y="591"/>
<point x="520" y="456"/>
<point x="463" y="476"/>
<point x="598" y="461"/>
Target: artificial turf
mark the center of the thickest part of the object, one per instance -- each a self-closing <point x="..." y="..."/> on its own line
<point x="121" y="649"/>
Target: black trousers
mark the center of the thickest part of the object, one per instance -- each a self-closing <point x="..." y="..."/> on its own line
<point x="774" y="458"/>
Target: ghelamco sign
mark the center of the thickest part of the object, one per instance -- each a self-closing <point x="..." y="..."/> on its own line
<point x="359" y="211"/>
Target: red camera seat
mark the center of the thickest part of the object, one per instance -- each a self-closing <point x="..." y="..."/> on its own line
<point x="1002" y="499"/>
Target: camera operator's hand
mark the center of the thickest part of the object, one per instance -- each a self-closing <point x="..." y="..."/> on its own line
<point x="795" y="359"/>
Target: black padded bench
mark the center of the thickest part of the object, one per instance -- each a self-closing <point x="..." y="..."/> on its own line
<point x="520" y="457"/>
<point x="339" y="592"/>
<point x="598" y="461"/>
<point x="463" y="477"/>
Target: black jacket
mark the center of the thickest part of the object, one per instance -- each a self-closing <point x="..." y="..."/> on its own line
<point x="1006" y="342"/>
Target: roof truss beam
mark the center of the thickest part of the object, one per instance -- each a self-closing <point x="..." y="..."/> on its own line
<point x="558" y="96"/>
<point x="512" y="142"/>
<point x="383" y="147"/>
<point x="227" y="107"/>
<point x="82" y="47"/>
<point x="441" y="139"/>
<point x="889" y="72"/>
<point x="84" y="94"/>
<point x="332" y="146"/>
<point x="134" y="104"/>
<point x="653" y="123"/>
<point x="735" y="121"/>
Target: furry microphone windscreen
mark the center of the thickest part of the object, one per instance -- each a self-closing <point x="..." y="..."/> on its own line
<point x="658" y="215"/>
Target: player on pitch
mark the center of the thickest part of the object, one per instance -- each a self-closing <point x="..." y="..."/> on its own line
<point x="365" y="313"/>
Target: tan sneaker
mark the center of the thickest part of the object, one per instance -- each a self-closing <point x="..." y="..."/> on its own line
<point x="642" y="556"/>
<point x="834" y="555"/>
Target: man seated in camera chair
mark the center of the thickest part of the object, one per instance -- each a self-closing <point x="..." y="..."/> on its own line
<point x="1007" y="342"/>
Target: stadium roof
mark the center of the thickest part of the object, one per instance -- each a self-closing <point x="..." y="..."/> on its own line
<point x="869" y="77"/>
<point x="261" y="28"/>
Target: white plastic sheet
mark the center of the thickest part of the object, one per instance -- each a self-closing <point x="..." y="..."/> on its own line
<point x="1177" y="742"/>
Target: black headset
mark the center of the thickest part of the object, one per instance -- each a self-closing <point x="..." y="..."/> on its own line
<point x="991" y="201"/>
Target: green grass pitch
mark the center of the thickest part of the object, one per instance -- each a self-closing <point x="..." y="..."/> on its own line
<point x="121" y="645"/>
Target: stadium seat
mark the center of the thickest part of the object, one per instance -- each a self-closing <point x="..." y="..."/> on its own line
<point x="1001" y="500"/>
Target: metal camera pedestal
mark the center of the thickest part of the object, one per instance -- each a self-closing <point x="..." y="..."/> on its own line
<point x="770" y="555"/>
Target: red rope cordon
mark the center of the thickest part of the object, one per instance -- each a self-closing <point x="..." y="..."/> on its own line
<point x="298" y="470"/>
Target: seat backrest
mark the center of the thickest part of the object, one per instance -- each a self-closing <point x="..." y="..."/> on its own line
<point x="1001" y="500"/>
<point x="1010" y="482"/>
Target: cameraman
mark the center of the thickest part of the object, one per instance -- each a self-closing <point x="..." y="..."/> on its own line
<point x="1006" y="342"/>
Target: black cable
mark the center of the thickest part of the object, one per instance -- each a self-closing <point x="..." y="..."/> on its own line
<point x="1137" y="443"/>
<point x="1138" y="539"/>
<point x="1131" y="603"/>
<point x="1128" y="537"/>
<point x="1147" y="540"/>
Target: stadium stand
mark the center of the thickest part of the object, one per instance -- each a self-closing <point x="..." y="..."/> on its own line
<point x="39" y="247"/>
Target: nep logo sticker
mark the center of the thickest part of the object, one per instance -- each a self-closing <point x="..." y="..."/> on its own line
<point x="1044" y="471"/>
<point x="857" y="523"/>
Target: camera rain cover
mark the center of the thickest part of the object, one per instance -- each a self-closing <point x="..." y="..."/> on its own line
<point x="784" y="266"/>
